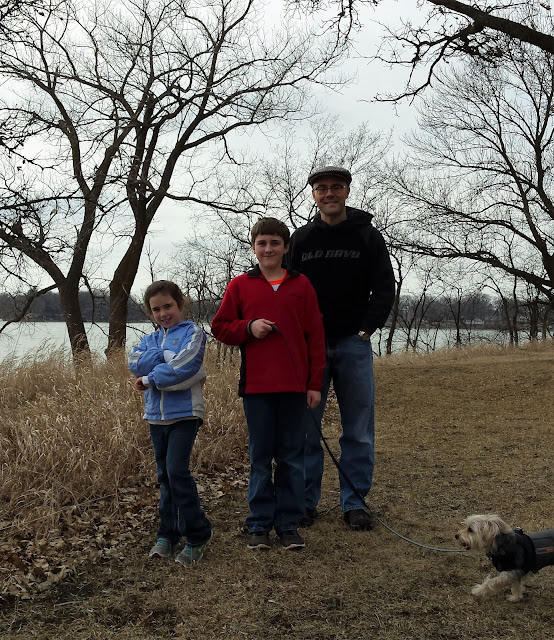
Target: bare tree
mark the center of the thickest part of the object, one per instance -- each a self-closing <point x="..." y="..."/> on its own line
<point x="455" y="30"/>
<point x="462" y="285"/>
<point x="275" y="182"/>
<point x="478" y="184"/>
<point x="204" y="265"/>
<point x="413" y="310"/>
<point x="10" y="8"/>
<point x="482" y="18"/>
<point x="397" y="233"/>
<point x="447" y="30"/>
<point x="276" y="185"/>
<point x="119" y="107"/>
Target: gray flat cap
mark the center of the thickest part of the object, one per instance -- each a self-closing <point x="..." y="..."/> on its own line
<point x="337" y="172"/>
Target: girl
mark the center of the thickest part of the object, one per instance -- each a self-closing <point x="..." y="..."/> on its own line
<point x="168" y="367"/>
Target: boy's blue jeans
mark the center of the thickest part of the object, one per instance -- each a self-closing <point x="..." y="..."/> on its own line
<point x="276" y="431"/>
<point x="179" y="510"/>
<point x="350" y="367"/>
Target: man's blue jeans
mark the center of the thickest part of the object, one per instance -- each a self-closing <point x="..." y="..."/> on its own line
<point x="350" y="367"/>
<point x="275" y="432"/>
<point x="180" y="511"/>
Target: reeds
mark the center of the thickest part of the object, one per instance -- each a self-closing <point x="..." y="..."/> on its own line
<point x="72" y="436"/>
<point x="222" y="440"/>
<point x="77" y="473"/>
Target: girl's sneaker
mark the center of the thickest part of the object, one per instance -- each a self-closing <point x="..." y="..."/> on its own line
<point x="192" y="555"/>
<point x="162" y="549"/>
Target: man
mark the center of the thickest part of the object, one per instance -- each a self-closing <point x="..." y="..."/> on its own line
<point x="348" y="264"/>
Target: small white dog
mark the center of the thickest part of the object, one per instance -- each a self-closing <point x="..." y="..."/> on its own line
<point x="512" y="552"/>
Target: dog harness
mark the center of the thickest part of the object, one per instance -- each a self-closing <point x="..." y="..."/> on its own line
<point x="520" y="552"/>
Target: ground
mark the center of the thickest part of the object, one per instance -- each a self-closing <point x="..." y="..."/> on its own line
<point x="457" y="433"/>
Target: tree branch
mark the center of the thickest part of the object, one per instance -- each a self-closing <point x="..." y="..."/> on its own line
<point x="484" y="19"/>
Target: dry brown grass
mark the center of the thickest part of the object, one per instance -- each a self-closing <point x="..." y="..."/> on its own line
<point x="457" y="432"/>
<point x="75" y="456"/>
<point x="68" y="437"/>
<point x="222" y="439"/>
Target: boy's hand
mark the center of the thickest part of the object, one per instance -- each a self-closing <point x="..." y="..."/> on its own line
<point x="314" y="398"/>
<point x="138" y="385"/>
<point x="261" y="327"/>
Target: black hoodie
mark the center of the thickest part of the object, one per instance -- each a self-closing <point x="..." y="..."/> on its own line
<point x="349" y="267"/>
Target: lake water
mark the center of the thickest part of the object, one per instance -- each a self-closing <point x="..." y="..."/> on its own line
<point x="27" y="337"/>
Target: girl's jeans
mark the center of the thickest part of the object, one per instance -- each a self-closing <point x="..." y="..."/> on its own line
<point x="180" y="511"/>
<point x="275" y="432"/>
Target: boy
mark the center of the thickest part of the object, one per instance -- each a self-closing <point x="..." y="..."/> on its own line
<point x="274" y="316"/>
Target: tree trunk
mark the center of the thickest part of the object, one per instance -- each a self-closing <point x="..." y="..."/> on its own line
<point x="69" y="299"/>
<point x="534" y="320"/>
<point x="120" y="291"/>
<point x="394" y="318"/>
<point x="544" y="326"/>
<point x="514" y="317"/>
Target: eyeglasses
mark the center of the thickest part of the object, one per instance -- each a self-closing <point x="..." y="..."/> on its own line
<point x="335" y="188"/>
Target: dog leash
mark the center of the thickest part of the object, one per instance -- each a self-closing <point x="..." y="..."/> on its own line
<point x="349" y="481"/>
<point x="362" y="500"/>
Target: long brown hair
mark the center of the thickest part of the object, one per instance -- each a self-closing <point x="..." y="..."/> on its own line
<point x="163" y="286"/>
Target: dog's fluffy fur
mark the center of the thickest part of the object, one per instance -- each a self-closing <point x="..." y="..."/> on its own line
<point x="480" y="533"/>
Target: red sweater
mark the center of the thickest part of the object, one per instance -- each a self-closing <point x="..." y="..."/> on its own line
<point x="291" y="360"/>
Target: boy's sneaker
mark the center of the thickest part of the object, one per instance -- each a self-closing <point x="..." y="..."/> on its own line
<point x="259" y="540"/>
<point x="359" y="520"/>
<point x="291" y="540"/>
<point x="162" y="549"/>
<point x="192" y="555"/>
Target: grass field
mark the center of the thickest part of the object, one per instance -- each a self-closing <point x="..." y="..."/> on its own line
<point x="458" y="432"/>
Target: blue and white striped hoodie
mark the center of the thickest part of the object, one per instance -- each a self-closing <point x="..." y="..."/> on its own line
<point x="171" y="359"/>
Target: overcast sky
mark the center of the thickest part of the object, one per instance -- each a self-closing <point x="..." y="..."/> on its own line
<point x="358" y="103"/>
<point x="354" y="105"/>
